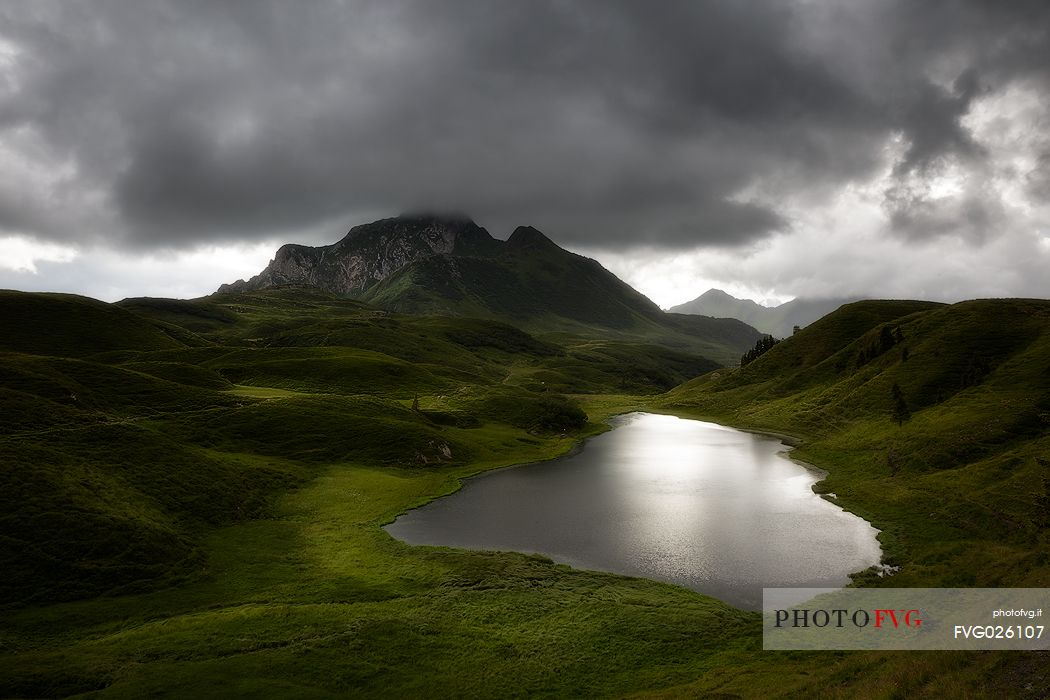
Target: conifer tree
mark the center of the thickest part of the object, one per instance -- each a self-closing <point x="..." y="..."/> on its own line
<point x="762" y="346"/>
<point x="901" y="412"/>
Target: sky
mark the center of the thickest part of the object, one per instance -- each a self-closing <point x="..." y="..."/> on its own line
<point x="770" y="148"/>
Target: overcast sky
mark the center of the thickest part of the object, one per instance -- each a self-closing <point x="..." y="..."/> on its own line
<point x="771" y="148"/>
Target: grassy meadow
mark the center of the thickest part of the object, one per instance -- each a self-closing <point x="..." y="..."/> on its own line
<point x="193" y="494"/>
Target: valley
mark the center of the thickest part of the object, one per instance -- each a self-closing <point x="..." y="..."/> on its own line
<point x="194" y="493"/>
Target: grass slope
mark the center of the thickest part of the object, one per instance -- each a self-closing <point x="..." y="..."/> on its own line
<point x="116" y="461"/>
<point x="959" y="487"/>
<point x="309" y="324"/>
<point x="74" y="326"/>
<point x="317" y="601"/>
<point x="171" y="529"/>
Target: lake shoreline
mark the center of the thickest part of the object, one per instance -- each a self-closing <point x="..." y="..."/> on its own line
<point x="547" y="512"/>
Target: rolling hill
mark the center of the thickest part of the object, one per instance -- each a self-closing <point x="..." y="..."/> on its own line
<point x="74" y="326"/>
<point x="174" y="460"/>
<point x="127" y="428"/>
<point x="192" y="494"/>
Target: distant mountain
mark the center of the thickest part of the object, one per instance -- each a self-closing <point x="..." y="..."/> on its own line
<point x="448" y="265"/>
<point x="779" y="321"/>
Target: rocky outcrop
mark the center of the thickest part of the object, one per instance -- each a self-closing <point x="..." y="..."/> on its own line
<point x="371" y="253"/>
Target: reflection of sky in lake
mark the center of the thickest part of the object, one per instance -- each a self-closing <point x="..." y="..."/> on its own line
<point x="714" y="509"/>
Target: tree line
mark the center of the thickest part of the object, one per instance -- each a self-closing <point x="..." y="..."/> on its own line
<point x="762" y="346"/>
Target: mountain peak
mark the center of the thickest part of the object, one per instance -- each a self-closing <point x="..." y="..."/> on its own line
<point x="528" y="237"/>
<point x="712" y="293"/>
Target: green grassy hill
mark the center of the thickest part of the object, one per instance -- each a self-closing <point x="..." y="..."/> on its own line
<point x="933" y="420"/>
<point x="117" y="457"/>
<point x="75" y="326"/>
<point x="192" y="495"/>
<point x="317" y="329"/>
<point x="166" y="460"/>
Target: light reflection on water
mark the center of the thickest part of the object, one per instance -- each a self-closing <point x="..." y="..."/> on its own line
<point x="710" y="508"/>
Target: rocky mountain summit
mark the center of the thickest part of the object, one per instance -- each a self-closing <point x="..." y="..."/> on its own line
<point x="370" y="253"/>
<point x="426" y="263"/>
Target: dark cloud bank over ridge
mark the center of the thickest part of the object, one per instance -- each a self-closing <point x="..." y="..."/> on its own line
<point x="617" y="126"/>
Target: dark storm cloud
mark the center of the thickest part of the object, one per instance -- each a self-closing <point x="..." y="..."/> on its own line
<point x="611" y="124"/>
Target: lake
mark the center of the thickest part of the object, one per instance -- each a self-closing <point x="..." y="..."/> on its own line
<point x="717" y="510"/>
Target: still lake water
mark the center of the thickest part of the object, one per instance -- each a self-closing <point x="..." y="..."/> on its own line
<point x="714" y="509"/>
